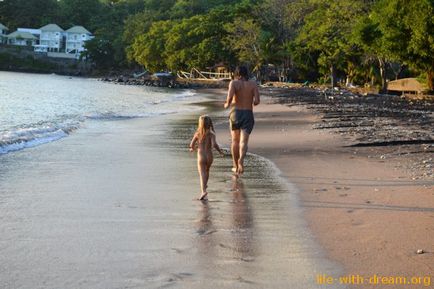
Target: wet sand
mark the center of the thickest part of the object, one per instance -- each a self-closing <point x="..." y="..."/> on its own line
<point x="112" y="206"/>
<point x="368" y="213"/>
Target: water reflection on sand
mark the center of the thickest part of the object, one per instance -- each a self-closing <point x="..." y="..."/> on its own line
<point x="241" y="227"/>
<point x="83" y="213"/>
<point x="250" y="233"/>
<point x="241" y="221"/>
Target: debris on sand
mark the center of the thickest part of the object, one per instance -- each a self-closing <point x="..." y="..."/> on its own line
<point x="391" y="125"/>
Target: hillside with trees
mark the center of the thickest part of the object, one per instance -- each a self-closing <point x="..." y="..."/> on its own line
<point x="350" y="41"/>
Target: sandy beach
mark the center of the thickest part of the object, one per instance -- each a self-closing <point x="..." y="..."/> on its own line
<point x="113" y="205"/>
<point x="368" y="213"/>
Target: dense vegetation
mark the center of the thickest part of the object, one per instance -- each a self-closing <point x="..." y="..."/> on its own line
<point x="354" y="41"/>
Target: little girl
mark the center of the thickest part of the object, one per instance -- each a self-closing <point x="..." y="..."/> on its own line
<point x="206" y="141"/>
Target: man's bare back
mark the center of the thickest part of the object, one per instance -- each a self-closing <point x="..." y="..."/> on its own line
<point x="243" y="93"/>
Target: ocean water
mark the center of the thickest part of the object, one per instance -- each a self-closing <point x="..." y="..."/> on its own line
<point x="36" y="109"/>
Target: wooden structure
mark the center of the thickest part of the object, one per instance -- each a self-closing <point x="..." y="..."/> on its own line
<point x="406" y="85"/>
<point x="196" y="74"/>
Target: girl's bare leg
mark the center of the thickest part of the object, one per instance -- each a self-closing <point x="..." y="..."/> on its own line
<point x="203" y="176"/>
<point x="208" y="166"/>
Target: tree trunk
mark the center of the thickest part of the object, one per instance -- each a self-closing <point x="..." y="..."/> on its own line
<point x="430" y="79"/>
<point x="332" y="76"/>
<point x="382" y="66"/>
<point x="349" y="78"/>
<point x="258" y="76"/>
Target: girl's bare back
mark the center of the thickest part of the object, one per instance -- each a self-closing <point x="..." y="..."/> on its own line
<point x="204" y="150"/>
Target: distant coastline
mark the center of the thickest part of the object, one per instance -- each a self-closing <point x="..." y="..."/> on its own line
<point x="21" y="59"/>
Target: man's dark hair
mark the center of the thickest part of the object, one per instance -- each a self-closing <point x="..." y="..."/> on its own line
<point x="242" y="72"/>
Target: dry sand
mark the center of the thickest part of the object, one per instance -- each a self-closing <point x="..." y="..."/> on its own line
<point x="366" y="212"/>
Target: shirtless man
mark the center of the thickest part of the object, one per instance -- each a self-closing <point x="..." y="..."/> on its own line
<point x="243" y="95"/>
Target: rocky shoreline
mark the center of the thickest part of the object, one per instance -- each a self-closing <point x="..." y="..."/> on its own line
<point x="384" y="126"/>
<point x="169" y="81"/>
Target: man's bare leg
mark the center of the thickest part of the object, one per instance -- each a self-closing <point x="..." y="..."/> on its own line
<point x="243" y="150"/>
<point x="235" y="149"/>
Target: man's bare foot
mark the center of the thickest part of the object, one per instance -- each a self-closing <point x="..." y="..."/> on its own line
<point x="240" y="170"/>
<point x="203" y="196"/>
<point x="235" y="171"/>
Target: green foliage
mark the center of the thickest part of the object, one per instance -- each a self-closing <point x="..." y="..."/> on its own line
<point x="80" y="12"/>
<point x="188" y="8"/>
<point x="28" y="13"/>
<point x="360" y="40"/>
<point x="327" y="30"/>
<point x="136" y="25"/>
<point x="100" y="51"/>
<point x="183" y="44"/>
<point x="400" y="32"/>
<point x="408" y="32"/>
<point x="148" y="49"/>
<point x="244" y="37"/>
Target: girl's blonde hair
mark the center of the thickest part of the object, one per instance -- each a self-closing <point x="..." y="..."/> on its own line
<point x="204" y="127"/>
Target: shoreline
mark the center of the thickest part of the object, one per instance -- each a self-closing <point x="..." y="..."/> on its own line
<point x="114" y="206"/>
<point x="363" y="207"/>
<point x="358" y="202"/>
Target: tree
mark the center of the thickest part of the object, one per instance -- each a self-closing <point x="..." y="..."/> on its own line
<point x="189" y="8"/>
<point x="100" y="52"/>
<point x="149" y="49"/>
<point x="136" y="25"/>
<point x="327" y="29"/>
<point x="28" y="13"/>
<point x="108" y="28"/>
<point x="369" y="37"/>
<point x="244" y="38"/>
<point x="81" y="12"/>
<point x="406" y="30"/>
<point x="195" y="42"/>
<point x="284" y="19"/>
<point x="277" y="33"/>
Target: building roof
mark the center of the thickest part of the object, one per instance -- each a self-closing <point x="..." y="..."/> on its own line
<point x="30" y="30"/>
<point x="2" y="27"/>
<point x="78" y="29"/>
<point x="23" y="35"/>
<point x="51" y="28"/>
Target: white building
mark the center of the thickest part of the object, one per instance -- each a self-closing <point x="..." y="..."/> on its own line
<point x="51" y="38"/>
<point x="35" y="32"/>
<point x="3" y="30"/>
<point x="20" y="38"/>
<point x="76" y="36"/>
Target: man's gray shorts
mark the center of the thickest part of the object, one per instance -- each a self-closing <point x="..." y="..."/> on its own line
<point x="242" y="119"/>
